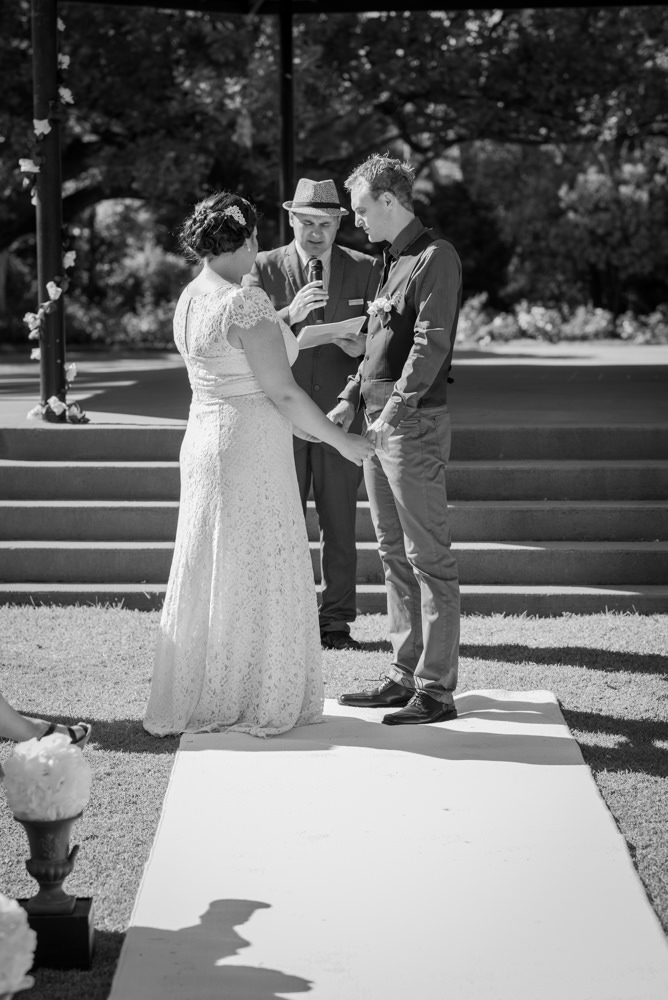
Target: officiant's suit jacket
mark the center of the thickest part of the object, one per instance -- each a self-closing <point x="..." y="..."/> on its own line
<point x="353" y="280"/>
<point x="320" y="371"/>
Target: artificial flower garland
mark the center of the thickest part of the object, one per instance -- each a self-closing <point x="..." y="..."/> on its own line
<point x="54" y="410"/>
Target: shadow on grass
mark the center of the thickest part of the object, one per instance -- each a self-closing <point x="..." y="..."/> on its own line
<point x="590" y="657"/>
<point x="637" y="749"/>
<point x="91" y="984"/>
<point x="129" y="736"/>
<point x="609" y="661"/>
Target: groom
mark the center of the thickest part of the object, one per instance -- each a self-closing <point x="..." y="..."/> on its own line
<point x="402" y="384"/>
<point x="349" y="281"/>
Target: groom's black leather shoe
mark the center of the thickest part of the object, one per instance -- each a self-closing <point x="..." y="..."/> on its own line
<point x="386" y="695"/>
<point x="421" y="709"/>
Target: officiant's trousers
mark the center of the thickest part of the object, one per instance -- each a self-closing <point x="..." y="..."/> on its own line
<point x="335" y="482"/>
<point x="408" y="501"/>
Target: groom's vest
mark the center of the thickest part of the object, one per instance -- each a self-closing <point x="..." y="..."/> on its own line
<point x="390" y="335"/>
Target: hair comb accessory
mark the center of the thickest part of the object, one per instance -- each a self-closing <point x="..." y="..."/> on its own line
<point x="234" y="212"/>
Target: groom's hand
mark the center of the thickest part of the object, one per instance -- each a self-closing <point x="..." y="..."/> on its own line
<point x="379" y="433"/>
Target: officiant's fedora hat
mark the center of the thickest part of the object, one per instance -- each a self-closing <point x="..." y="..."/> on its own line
<point x="315" y="198"/>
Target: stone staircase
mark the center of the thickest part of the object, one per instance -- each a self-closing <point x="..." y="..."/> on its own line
<point x="546" y="519"/>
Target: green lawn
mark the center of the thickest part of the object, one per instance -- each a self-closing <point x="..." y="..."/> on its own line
<point x="608" y="671"/>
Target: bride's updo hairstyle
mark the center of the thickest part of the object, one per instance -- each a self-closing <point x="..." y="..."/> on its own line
<point x="219" y="224"/>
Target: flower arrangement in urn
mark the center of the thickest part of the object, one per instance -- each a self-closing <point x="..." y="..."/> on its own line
<point x="17" y="948"/>
<point x="47" y="779"/>
<point x="47" y="784"/>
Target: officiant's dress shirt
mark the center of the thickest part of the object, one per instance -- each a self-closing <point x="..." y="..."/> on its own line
<point x="411" y="345"/>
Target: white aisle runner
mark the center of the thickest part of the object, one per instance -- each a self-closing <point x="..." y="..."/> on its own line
<point x="471" y="860"/>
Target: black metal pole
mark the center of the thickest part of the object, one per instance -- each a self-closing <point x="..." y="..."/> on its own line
<point x="49" y="195"/>
<point x="286" y="184"/>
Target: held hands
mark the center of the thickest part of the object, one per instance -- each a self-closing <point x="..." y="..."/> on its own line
<point x="355" y="448"/>
<point x="379" y="433"/>
<point x="311" y="296"/>
<point x="376" y="436"/>
<point x="352" y="446"/>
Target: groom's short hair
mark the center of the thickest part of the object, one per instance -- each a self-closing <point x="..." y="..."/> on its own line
<point x="383" y="172"/>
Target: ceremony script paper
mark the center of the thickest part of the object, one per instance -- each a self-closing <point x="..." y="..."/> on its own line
<point x="325" y="333"/>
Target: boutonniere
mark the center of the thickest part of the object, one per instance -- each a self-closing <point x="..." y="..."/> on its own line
<point x="383" y="306"/>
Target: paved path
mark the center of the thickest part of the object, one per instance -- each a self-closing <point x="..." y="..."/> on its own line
<point x="523" y="382"/>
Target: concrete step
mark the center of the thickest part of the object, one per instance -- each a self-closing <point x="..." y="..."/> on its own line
<point x="503" y="520"/>
<point x="161" y="443"/>
<point x="526" y="480"/>
<point x="483" y="563"/>
<point x="543" y="601"/>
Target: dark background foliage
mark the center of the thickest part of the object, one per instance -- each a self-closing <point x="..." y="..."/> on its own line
<point x="539" y="136"/>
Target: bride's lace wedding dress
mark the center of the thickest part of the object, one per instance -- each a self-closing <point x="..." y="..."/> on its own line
<point x="239" y="642"/>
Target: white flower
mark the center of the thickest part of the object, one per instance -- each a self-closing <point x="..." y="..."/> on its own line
<point x="65" y="95"/>
<point x="32" y="319"/>
<point x="49" y="778"/>
<point x="56" y="404"/>
<point x="69" y="258"/>
<point x="70" y="372"/>
<point x="35" y="412"/>
<point x="61" y="24"/>
<point x="34" y="333"/>
<point x="27" y="166"/>
<point x="383" y="305"/>
<point x="17" y="947"/>
<point x="35" y="354"/>
<point x="63" y="61"/>
<point x="54" y="291"/>
<point x="41" y="126"/>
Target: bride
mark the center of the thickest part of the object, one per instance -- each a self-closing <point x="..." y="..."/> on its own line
<point x="239" y="642"/>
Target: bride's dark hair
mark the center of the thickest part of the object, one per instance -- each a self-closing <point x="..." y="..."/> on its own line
<point x="218" y="224"/>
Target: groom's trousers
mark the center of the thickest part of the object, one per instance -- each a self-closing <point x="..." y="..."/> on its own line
<point x="408" y="500"/>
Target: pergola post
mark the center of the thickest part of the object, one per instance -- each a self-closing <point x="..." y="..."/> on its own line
<point x="287" y="168"/>
<point x="48" y="196"/>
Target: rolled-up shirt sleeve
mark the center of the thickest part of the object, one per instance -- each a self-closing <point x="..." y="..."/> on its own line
<point x="434" y="290"/>
<point x="351" y="392"/>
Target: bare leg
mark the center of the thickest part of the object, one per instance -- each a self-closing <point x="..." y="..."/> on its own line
<point x="14" y="726"/>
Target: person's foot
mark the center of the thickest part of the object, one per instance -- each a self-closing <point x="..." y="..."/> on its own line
<point x="421" y="709"/>
<point x="338" y="640"/>
<point x="389" y="694"/>
<point x="79" y="734"/>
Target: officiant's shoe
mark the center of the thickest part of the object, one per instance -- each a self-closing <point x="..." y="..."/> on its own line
<point x="338" y="640"/>
<point x="387" y="695"/>
<point x="421" y="709"/>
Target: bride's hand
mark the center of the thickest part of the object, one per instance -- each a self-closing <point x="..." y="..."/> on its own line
<point x="356" y="448"/>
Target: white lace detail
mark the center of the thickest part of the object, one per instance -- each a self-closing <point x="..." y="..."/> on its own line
<point x="239" y="642"/>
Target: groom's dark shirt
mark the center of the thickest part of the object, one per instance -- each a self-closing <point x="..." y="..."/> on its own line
<point x="411" y="345"/>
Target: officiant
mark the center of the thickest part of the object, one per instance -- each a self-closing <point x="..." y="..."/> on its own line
<point x="304" y="294"/>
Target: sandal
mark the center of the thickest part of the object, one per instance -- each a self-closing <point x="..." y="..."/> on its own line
<point x="78" y="740"/>
<point x="81" y="740"/>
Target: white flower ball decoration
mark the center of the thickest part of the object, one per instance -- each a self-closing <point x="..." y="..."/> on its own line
<point x="47" y="779"/>
<point x="17" y="947"/>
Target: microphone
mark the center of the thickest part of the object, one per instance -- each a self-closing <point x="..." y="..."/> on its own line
<point x="314" y="273"/>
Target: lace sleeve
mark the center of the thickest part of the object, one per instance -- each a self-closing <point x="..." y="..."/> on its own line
<point x="248" y="307"/>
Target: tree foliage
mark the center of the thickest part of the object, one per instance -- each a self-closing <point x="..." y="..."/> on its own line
<point x="555" y="117"/>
